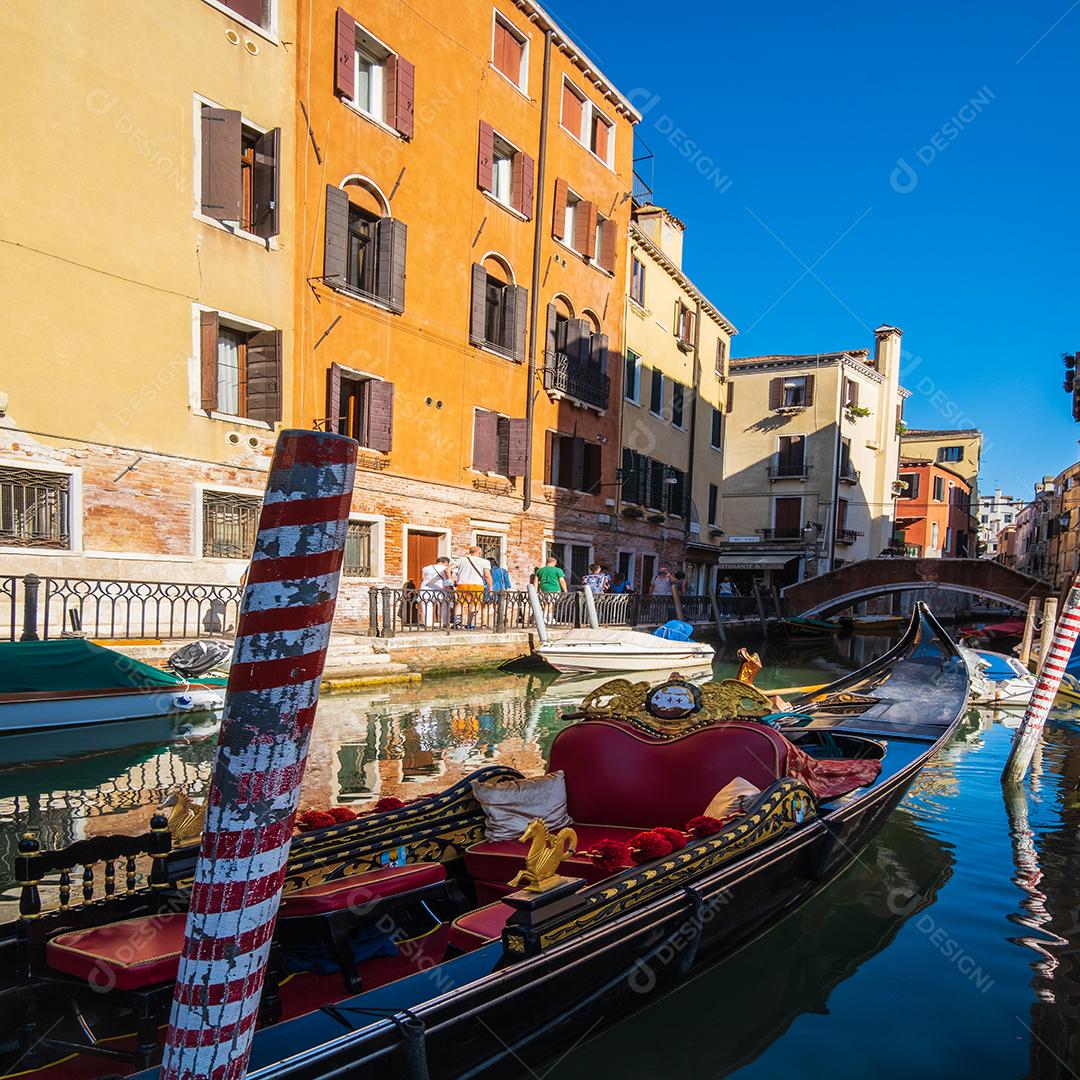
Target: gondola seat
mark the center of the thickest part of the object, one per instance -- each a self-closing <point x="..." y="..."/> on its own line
<point x="476" y="928"/>
<point x="133" y="954"/>
<point x="357" y="890"/>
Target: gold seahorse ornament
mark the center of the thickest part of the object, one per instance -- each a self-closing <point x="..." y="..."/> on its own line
<point x="545" y="854"/>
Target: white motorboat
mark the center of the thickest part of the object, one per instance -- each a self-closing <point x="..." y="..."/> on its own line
<point x="999" y="679"/>
<point x="594" y="649"/>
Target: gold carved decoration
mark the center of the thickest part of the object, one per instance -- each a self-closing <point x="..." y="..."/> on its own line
<point x="750" y="666"/>
<point x="545" y="854"/>
<point x="186" y="820"/>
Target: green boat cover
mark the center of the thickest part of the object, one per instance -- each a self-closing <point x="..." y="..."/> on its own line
<point x="73" y="664"/>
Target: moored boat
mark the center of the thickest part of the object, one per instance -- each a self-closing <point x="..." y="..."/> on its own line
<point x="511" y="973"/>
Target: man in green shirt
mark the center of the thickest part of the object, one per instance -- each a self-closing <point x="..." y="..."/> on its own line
<point x="549" y="578"/>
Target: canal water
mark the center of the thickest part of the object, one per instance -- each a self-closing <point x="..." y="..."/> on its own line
<point x="951" y="948"/>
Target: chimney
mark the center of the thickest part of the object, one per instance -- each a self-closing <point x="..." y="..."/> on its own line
<point x="664" y="229"/>
<point x="887" y="349"/>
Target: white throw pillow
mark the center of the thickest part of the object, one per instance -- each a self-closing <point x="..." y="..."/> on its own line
<point x="509" y="805"/>
<point x="732" y="798"/>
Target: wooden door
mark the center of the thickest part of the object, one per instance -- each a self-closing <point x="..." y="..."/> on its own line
<point x="648" y="572"/>
<point x="423" y="550"/>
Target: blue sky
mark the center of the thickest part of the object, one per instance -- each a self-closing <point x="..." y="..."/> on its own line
<point x="778" y="130"/>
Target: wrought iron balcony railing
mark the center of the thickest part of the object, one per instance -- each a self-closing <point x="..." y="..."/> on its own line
<point x="847" y="536"/>
<point x="583" y="381"/>
<point x="789" y="470"/>
<point x="848" y="473"/>
<point x="780" y="534"/>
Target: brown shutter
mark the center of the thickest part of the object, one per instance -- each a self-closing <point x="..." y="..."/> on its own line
<point x="208" y="337"/>
<point x="776" y="393"/>
<point x="853" y="393"/>
<point x="585" y="229"/>
<point x="345" y="55"/>
<point x="578" y="332"/>
<point x="607" y="246"/>
<point x="598" y="349"/>
<point x="808" y="397"/>
<point x="336" y="236"/>
<point x="522" y="184"/>
<point x="485" y="157"/>
<point x="558" y="213"/>
<point x="518" y="448"/>
<point x="264" y="376"/>
<point x="577" y="463"/>
<point x="549" y="457"/>
<point x="379" y="415"/>
<point x="730" y="395"/>
<point x="485" y="440"/>
<point x="549" y="348"/>
<point x="252" y="10"/>
<point x="479" y="305"/>
<point x="221" y="181"/>
<point x="266" y="185"/>
<point x="400" y="93"/>
<point x="333" y="398"/>
<point x="516" y="299"/>
<point x="390" y="236"/>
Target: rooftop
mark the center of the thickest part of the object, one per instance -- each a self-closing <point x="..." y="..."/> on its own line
<point x="933" y="433"/>
<point x="861" y="355"/>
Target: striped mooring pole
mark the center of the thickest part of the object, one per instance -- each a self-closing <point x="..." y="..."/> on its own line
<point x="278" y="658"/>
<point x="1051" y="668"/>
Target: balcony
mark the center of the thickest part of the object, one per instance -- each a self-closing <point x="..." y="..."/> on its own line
<point x="789" y="470"/>
<point x="847" y="536"/>
<point x="848" y="473"/>
<point x="563" y="375"/>
<point x="780" y="534"/>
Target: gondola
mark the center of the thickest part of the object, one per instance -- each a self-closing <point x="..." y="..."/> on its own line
<point x="525" y="955"/>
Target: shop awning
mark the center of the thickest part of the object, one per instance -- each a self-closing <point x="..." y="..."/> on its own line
<point x="754" y="562"/>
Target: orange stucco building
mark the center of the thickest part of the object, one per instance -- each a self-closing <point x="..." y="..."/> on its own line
<point x="463" y="189"/>
<point x="933" y="511"/>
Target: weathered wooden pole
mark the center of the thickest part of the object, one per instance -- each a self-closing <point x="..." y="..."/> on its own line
<point x="1029" y="630"/>
<point x="278" y="658"/>
<point x="1051" y="668"/>
<point x="1046" y="631"/>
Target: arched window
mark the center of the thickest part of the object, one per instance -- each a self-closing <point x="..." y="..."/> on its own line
<point x="498" y="314"/>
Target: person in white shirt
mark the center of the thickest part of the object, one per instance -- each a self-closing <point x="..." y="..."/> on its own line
<point x="472" y="578"/>
<point x="436" y="578"/>
<point x="661" y="584"/>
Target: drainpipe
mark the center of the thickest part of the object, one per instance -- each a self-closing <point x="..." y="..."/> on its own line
<point x="836" y="469"/>
<point x="693" y="427"/>
<point x="534" y="299"/>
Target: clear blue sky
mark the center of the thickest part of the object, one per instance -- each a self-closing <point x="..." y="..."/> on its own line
<point x="807" y="111"/>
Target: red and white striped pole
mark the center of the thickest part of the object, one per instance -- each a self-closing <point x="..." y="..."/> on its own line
<point x="281" y="641"/>
<point x="1051" y="668"/>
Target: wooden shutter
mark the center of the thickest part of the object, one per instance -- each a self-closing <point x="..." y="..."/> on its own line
<point x="788" y="515"/>
<point x="333" y="398"/>
<point x="572" y="111"/>
<point x="485" y="158"/>
<point x="390" y="236"/>
<point x="336" y="236"/>
<point x="598" y="352"/>
<point x="607" y="246"/>
<point x="578" y="332"/>
<point x="252" y="10"/>
<point x="558" y="213"/>
<point x="485" y="440"/>
<point x="549" y="458"/>
<point x="518" y="448"/>
<point x="853" y="393"/>
<point x="264" y="376"/>
<point x="266" y="184"/>
<point x="379" y="415"/>
<point x="478" y="309"/>
<point x="730" y="396"/>
<point x="516" y="299"/>
<point x="550" y="346"/>
<point x="524" y="169"/>
<point x="577" y="463"/>
<point x="776" y="393"/>
<point x="221" y="150"/>
<point x="345" y="55"/>
<point x="400" y="77"/>
<point x="208" y="338"/>
<point x="585" y="229"/>
<point x="808" y="396"/>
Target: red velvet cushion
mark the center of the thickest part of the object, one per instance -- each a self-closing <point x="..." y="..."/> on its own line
<point x="500" y="860"/>
<point x="129" y="955"/>
<point x="361" y="889"/>
<point x="618" y="775"/>
<point x="476" y="928"/>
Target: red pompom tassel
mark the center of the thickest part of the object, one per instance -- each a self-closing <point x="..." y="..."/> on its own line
<point x="649" y="845"/>
<point x="342" y="813"/>
<point x="315" y="819"/>
<point x="610" y="855"/>
<point x="703" y="825"/>
<point x="388" y="802"/>
<point x="675" y="837"/>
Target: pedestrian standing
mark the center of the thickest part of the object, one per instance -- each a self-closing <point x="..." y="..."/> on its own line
<point x="725" y="596"/>
<point x="597" y="579"/>
<point x="549" y="577"/>
<point x="473" y="578"/>
<point x="661" y="584"/>
<point x="436" y="581"/>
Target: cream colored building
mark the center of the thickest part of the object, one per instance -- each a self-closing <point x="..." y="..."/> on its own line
<point x="959" y="450"/>
<point x="810" y="461"/>
<point x="675" y="372"/>
<point x="146" y="220"/>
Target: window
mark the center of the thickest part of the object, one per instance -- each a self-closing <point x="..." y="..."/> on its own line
<point x="655" y="495"/>
<point x="948" y="540"/>
<point x="677" y="391"/>
<point x="358" y="562"/>
<point x="787" y="518"/>
<point x="714" y="498"/>
<point x="508" y="53"/>
<point x="715" y="439"/>
<point x="847" y="470"/>
<point x="721" y="356"/>
<point x="625" y="565"/>
<point x="360" y="407"/>
<point x="229" y="524"/>
<point x="364" y="251"/>
<point x="675" y="482"/>
<point x="984" y="518"/>
<point x="841" y="516"/>
<point x="656" y="393"/>
<point x="573" y="463"/>
<point x="499" y="311"/>
<point x="576" y="224"/>
<point x="912" y="489"/>
<point x="950" y="453"/>
<point x="587" y="124"/>
<point x="939" y="489"/>
<point x="240" y="368"/>
<point x="491" y="545"/>
<point x="604" y="244"/>
<point x="240" y="172"/>
<point x="851" y="394"/>
<point x="637" y="281"/>
<point x="684" y="324"/>
<point x="601" y="136"/>
<point x="372" y="78"/>
<point x="1007" y="519"/>
<point x="505" y="172"/>
<point x="35" y="509"/>
<point x="499" y="444"/>
<point x="791" y="392"/>
<point x="572" y="115"/>
<point x="632" y="378"/>
<point x="502" y="170"/>
<point x="934" y="534"/>
<point x="791" y="456"/>
<point x="574" y="559"/>
<point x="255" y="11"/>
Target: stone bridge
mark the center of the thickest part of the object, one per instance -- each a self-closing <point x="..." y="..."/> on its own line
<point x="857" y="581"/>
